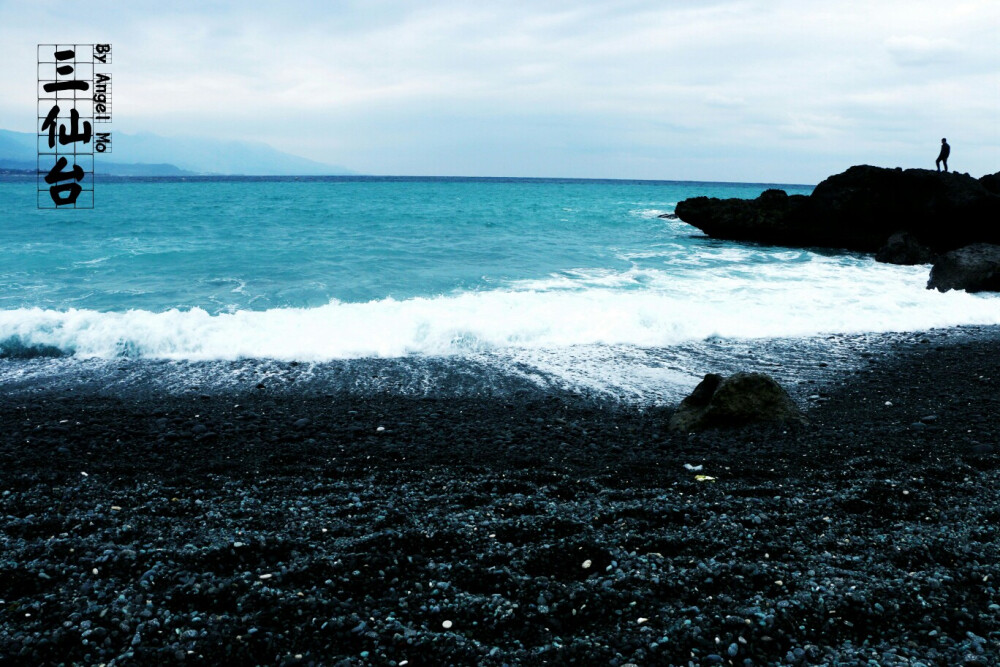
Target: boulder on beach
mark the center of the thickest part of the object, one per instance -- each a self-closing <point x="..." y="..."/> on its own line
<point x="859" y="209"/>
<point x="974" y="268"/>
<point x="904" y="248"/>
<point x="740" y="399"/>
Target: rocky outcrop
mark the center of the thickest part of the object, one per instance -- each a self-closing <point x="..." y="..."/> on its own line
<point x="741" y="399"/>
<point x="991" y="182"/>
<point x="859" y="209"/>
<point x="904" y="248"/>
<point x="974" y="268"/>
<point x="773" y="217"/>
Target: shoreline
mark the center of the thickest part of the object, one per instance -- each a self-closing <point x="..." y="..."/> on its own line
<point x="666" y="374"/>
<point x="283" y="526"/>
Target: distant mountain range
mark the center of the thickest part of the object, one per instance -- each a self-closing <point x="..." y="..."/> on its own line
<point x="147" y="154"/>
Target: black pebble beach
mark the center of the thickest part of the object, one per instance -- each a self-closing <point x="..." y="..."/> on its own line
<point x="267" y="525"/>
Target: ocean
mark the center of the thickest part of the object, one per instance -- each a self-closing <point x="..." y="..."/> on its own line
<point x="474" y="285"/>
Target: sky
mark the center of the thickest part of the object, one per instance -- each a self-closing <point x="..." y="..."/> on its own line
<point x="755" y="91"/>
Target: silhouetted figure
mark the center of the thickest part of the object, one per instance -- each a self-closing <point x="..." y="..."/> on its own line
<point x="943" y="155"/>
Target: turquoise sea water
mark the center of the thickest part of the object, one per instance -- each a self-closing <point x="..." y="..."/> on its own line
<point x="580" y="279"/>
<point x="228" y="245"/>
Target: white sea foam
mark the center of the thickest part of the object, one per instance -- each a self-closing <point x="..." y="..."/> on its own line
<point x="644" y="307"/>
<point x="91" y="262"/>
<point x="650" y="212"/>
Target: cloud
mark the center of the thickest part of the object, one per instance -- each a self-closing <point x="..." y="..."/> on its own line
<point x="725" y="101"/>
<point x="913" y="50"/>
<point x="699" y="89"/>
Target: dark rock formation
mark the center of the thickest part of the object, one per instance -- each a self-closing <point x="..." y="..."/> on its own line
<point x="859" y="209"/>
<point x="974" y="268"/>
<point x="991" y="182"/>
<point x="742" y="398"/>
<point x="904" y="248"/>
<point x="774" y="217"/>
<point x="668" y="216"/>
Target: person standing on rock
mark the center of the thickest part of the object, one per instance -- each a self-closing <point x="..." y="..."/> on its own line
<point x="943" y="155"/>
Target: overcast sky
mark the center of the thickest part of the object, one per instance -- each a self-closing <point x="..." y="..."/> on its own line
<point x="757" y="91"/>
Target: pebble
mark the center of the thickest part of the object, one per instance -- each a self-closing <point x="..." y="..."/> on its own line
<point x="228" y="540"/>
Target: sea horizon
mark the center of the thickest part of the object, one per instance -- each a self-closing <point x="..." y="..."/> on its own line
<point x="113" y="178"/>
